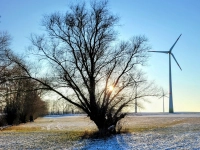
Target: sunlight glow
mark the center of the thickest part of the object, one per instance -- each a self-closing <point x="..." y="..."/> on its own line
<point x="111" y="88"/>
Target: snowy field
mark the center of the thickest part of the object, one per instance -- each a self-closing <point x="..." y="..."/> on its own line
<point x="147" y="131"/>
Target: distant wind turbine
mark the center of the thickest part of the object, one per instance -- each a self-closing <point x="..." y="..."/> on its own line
<point x="171" y="108"/>
<point x="163" y="96"/>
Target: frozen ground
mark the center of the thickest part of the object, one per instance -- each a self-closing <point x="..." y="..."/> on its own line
<point x="149" y="131"/>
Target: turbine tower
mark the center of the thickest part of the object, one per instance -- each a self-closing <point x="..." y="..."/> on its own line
<point x="171" y="108"/>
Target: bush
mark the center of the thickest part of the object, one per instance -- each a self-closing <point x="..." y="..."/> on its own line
<point x="2" y="120"/>
<point x="11" y="112"/>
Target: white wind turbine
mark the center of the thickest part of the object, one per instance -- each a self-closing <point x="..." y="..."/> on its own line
<point x="171" y="108"/>
<point x="164" y="94"/>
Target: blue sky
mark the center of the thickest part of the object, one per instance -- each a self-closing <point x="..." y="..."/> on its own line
<point x="161" y="21"/>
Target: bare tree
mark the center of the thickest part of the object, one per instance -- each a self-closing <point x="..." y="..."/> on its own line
<point x="18" y="98"/>
<point x="22" y="99"/>
<point x="4" y="64"/>
<point x="4" y="49"/>
<point x="87" y="67"/>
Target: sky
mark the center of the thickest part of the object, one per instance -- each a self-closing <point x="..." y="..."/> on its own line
<point x="161" y="21"/>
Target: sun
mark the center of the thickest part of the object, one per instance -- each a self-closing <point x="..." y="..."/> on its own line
<point x="111" y="88"/>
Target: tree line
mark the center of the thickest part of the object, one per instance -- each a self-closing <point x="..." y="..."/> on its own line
<point x="20" y="101"/>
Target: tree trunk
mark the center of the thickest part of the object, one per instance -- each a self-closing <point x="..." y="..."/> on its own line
<point x="31" y="118"/>
<point x="106" y="124"/>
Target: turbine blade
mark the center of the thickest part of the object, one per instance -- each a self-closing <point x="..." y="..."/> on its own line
<point x="174" y="43"/>
<point x="175" y="60"/>
<point x="166" y="52"/>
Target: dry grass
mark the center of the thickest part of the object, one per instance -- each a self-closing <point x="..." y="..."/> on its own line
<point x="22" y="129"/>
<point x="141" y="124"/>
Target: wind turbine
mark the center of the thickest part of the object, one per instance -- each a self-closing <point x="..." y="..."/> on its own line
<point x="163" y="96"/>
<point x="171" y="108"/>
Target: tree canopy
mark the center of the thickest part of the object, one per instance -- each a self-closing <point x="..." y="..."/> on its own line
<point x="88" y="66"/>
